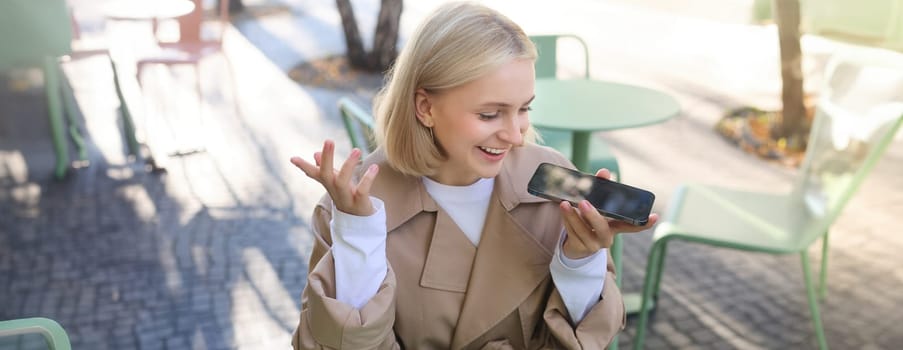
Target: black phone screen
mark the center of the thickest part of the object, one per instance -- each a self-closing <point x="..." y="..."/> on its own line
<point x="610" y="198"/>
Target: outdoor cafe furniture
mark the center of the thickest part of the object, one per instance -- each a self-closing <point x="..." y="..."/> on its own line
<point x="584" y="106"/>
<point x="857" y="115"/>
<point x="359" y="125"/>
<point x="189" y="49"/>
<point x="126" y="45"/>
<point x="38" y="33"/>
<point x="546" y="66"/>
<point x="141" y="11"/>
<point x="137" y="10"/>
<point x="54" y="334"/>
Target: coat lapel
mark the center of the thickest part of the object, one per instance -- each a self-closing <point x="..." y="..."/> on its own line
<point x="405" y="195"/>
<point x="450" y="258"/>
<point x="508" y="267"/>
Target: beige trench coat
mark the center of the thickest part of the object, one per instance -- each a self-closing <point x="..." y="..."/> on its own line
<point x="442" y="292"/>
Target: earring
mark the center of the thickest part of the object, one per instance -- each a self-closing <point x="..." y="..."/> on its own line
<point x="431" y="134"/>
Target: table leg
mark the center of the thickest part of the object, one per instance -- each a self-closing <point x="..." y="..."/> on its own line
<point x="580" y="150"/>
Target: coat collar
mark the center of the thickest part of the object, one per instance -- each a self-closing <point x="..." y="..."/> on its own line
<point x="409" y="197"/>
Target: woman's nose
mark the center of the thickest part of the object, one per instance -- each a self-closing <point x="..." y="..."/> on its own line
<point x="513" y="132"/>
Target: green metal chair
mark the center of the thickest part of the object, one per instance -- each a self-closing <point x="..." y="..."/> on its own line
<point x="547" y="63"/>
<point x="53" y="333"/>
<point x="875" y="23"/>
<point x="546" y="66"/>
<point x="35" y="33"/>
<point x="859" y="112"/>
<point x="359" y="124"/>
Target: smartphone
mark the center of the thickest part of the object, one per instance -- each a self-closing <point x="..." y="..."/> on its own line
<point x="611" y="199"/>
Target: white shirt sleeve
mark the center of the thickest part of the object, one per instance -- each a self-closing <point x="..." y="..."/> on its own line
<point x="359" y="252"/>
<point x="579" y="281"/>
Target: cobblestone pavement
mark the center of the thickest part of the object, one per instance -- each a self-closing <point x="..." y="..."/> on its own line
<point x="212" y="253"/>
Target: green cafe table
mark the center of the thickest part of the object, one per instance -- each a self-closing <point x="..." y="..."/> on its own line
<point x="134" y="10"/>
<point x="585" y="106"/>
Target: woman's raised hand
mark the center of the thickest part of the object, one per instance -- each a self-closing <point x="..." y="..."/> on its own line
<point x="589" y="231"/>
<point x="348" y="197"/>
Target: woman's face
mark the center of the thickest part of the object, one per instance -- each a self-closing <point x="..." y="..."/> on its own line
<point x="478" y="123"/>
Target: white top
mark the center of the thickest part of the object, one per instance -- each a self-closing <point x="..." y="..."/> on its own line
<point x="466" y="205"/>
<point x="359" y="249"/>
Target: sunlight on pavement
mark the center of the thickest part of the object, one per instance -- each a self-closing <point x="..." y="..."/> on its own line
<point x="140" y="201"/>
<point x="261" y="305"/>
<point x="170" y="266"/>
<point x="14" y="165"/>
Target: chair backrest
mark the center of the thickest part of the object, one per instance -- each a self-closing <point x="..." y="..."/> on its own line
<point x="858" y="113"/>
<point x="546" y="65"/>
<point x="359" y="124"/>
<point x="31" y="30"/>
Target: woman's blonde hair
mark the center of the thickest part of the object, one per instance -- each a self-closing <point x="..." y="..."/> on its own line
<point x="456" y="44"/>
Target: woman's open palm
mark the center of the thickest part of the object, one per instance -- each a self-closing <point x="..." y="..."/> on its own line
<point x="347" y="196"/>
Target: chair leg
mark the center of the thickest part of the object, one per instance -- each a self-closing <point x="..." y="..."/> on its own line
<point x="616" y="251"/>
<point x="55" y="112"/>
<point x="653" y="273"/>
<point x="128" y="124"/>
<point x="658" y="272"/>
<point x="823" y="273"/>
<point x="813" y="302"/>
<point x="71" y="107"/>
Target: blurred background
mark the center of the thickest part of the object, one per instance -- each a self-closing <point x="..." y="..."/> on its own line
<point x="147" y="201"/>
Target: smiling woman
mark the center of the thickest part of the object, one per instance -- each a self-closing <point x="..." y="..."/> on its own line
<point x="474" y="125"/>
<point x="432" y="241"/>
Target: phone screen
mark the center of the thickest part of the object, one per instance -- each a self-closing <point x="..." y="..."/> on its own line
<point x="610" y="198"/>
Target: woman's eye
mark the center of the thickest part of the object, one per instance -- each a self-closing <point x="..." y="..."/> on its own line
<point x="526" y="109"/>
<point x="488" y="115"/>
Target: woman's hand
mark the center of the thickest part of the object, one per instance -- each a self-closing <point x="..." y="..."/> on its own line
<point x="347" y="197"/>
<point x="589" y="231"/>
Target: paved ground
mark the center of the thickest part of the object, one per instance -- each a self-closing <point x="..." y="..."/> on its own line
<point x="212" y="253"/>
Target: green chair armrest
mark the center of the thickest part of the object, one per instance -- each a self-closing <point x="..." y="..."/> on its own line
<point x="51" y="330"/>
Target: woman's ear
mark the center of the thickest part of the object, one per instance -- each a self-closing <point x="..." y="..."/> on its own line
<point x="423" y="107"/>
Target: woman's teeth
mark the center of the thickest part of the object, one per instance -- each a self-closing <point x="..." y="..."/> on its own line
<point x="492" y="150"/>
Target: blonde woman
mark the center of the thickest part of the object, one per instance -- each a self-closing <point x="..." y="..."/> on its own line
<point x="432" y="242"/>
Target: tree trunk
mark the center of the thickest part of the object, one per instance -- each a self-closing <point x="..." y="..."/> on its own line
<point x="356" y="55"/>
<point x="386" y="38"/>
<point x="793" y="117"/>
